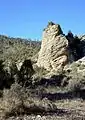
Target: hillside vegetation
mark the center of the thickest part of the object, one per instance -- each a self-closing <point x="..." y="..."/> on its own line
<point x="17" y="49"/>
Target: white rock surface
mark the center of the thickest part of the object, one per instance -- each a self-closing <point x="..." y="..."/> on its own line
<point x="53" y="53"/>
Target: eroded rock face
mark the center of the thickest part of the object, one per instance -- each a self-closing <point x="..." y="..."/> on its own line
<point x="53" y="53"/>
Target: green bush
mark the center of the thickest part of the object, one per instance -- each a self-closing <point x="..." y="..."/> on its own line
<point x="76" y="80"/>
<point x="76" y="84"/>
<point x="25" y="73"/>
<point x="75" y="76"/>
<point x="39" y="73"/>
<point x="5" y="78"/>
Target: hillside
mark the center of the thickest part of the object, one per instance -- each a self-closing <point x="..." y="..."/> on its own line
<point x="17" y="49"/>
<point x="43" y="80"/>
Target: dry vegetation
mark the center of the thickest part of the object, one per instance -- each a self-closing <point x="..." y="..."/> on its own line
<point x="32" y="96"/>
<point x="17" y="49"/>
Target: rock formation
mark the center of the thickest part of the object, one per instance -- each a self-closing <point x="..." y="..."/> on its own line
<point x="53" y="53"/>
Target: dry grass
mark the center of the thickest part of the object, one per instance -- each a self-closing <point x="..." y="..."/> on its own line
<point x="18" y="104"/>
<point x="17" y="101"/>
<point x="75" y="111"/>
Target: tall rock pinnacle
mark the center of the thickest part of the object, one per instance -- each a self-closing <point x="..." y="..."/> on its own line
<point x="53" y="53"/>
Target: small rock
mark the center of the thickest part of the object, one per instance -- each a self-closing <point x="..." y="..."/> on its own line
<point x="38" y="117"/>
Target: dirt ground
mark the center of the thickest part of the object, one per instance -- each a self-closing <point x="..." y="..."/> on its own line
<point x="73" y="109"/>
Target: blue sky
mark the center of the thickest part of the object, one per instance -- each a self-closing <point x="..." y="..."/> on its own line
<point x="28" y="18"/>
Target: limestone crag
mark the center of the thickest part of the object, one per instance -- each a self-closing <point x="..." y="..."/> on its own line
<point x="53" y="53"/>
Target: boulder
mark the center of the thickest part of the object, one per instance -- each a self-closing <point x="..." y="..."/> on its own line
<point x="53" y="54"/>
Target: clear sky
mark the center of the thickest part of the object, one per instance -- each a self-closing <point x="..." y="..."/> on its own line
<point x="28" y="18"/>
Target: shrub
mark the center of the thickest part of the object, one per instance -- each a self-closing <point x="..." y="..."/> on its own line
<point x="39" y="74"/>
<point x="76" y="83"/>
<point x="26" y="72"/>
<point x="74" y="45"/>
<point x="5" y="78"/>
<point x="1" y="66"/>
<point x="12" y="100"/>
<point x="75" y="76"/>
<point x="69" y="35"/>
<point x="40" y="71"/>
<point x="51" y="23"/>
<point x="76" y="80"/>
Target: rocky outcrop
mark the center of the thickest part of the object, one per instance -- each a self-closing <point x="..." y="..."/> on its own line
<point x="53" y="53"/>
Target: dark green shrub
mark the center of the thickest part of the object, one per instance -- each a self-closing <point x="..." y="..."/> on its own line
<point x="26" y="72"/>
<point x="74" y="45"/>
<point x="51" y="23"/>
<point x="5" y="79"/>
<point x="1" y="66"/>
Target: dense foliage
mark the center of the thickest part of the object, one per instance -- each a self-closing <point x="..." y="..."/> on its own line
<point x="74" y="45"/>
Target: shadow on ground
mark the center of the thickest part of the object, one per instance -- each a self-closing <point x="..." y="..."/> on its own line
<point x="66" y="95"/>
